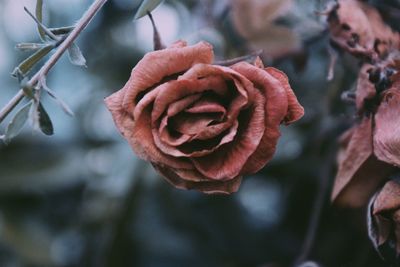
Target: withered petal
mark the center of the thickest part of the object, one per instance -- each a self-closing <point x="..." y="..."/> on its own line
<point x="359" y="172"/>
<point x="162" y="63"/>
<point x="388" y="198"/>
<point x="387" y="129"/>
<point x="208" y="186"/>
<point x="276" y="107"/>
<point x="295" y="110"/>
<point x="228" y="161"/>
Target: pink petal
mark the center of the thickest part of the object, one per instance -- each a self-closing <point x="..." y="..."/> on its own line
<point x="388" y="198"/>
<point x="176" y="90"/>
<point x="387" y="129"/>
<point x="276" y="107"/>
<point x="205" y="149"/>
<point x="295" y="110"/>
<point x="206" y="186"/>
<point x="359" y="173"/>
<point x="162" y="63"/>
<point x="228" y="161"/>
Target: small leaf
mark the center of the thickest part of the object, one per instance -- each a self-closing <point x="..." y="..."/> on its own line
<point x="45" y="30"/>
<point x="62" y="30"/>
<point x="75" y="56"/>
<point x="39" y="16"/>
<point x="17" y="123"/>
<point x="29" y="46"/>
<point x="146" y="6"/>
<point x="59" y="101"/>
<point x="25" y="66"/>
<point x="45" y="123"/>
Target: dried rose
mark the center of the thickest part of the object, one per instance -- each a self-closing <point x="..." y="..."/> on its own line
<point x="384" y="220"/>
<point x="254" y="21"/>
<point x="203" y="126"/>
<point x="371" y="149"/>
<point x="359" y="29"/>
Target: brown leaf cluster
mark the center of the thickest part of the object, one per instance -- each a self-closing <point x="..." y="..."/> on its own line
<point x="370" y="151"/>
<point x="359" y="29"/>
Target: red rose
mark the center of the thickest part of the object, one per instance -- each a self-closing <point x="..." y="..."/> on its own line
<point x="203" y="126"/>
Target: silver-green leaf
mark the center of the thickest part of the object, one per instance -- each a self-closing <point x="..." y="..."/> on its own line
<point x="75" y="56"/>
<point x="29" y="46"/>
<point x="17" y="123"/>
<point x="39" y="16"/>
<point x="45" y="124"/>
<point x="147" y="6"/>
<point x="25" y="66"/>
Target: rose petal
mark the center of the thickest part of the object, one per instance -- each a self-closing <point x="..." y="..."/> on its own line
<point x="276" y="107"/>
<point x="205" y="148"/>
<point x="170" y="139"/>
<point x="387" y="129"/>
<point x="162" y="63"/>
<point x="179" y="89"/>
<point x="139" y="134"/>
<point x="209" y="187"/>
<point x="228" y="161"/>
<point x="359" y="173"/>
<point x="142" y="142"/>
<point x="295" y="110"/>
<point x="388" y="198"/>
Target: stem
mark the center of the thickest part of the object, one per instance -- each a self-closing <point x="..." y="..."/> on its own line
<point x="80" y="26"/>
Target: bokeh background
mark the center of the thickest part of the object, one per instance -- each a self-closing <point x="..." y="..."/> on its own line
<point x="82" y="198"/>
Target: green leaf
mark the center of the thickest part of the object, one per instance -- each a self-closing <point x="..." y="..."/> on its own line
<point x="39" y="16"/>
<point x="62" y="30"/>
<point x="17" y="123"/>
<point x="25" y="66"/>
<point x="75" y="56"/>
<point x="45" y="123"/>
<point x="29" y="46"/>
<point x="146" y="6"/>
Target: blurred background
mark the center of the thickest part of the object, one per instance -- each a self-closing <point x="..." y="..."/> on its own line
<point x="82" y="198"/>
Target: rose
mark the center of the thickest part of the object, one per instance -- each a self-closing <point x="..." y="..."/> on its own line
<point x="203" y="126"/>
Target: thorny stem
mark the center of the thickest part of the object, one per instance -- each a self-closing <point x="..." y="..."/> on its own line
<point x="80" y="26"/>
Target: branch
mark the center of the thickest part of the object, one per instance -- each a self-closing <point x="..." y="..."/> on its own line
<point x="80" y="26"/>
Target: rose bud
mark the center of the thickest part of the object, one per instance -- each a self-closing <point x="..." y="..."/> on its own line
<point x="203" y="126"/>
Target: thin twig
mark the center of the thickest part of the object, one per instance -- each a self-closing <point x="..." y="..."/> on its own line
<point x="80" y="26"/>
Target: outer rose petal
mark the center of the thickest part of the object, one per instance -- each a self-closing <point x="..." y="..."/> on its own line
<point x="387" y="129"/>
<point x="209" y="186"/>
<point x="388" y="198"/>
<point x="359" y="173"/>
<point x="276" y="107"/>
<point x="295" y="110"/>
<point x="159" y="64"/>
<point x="138" y="134"/>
